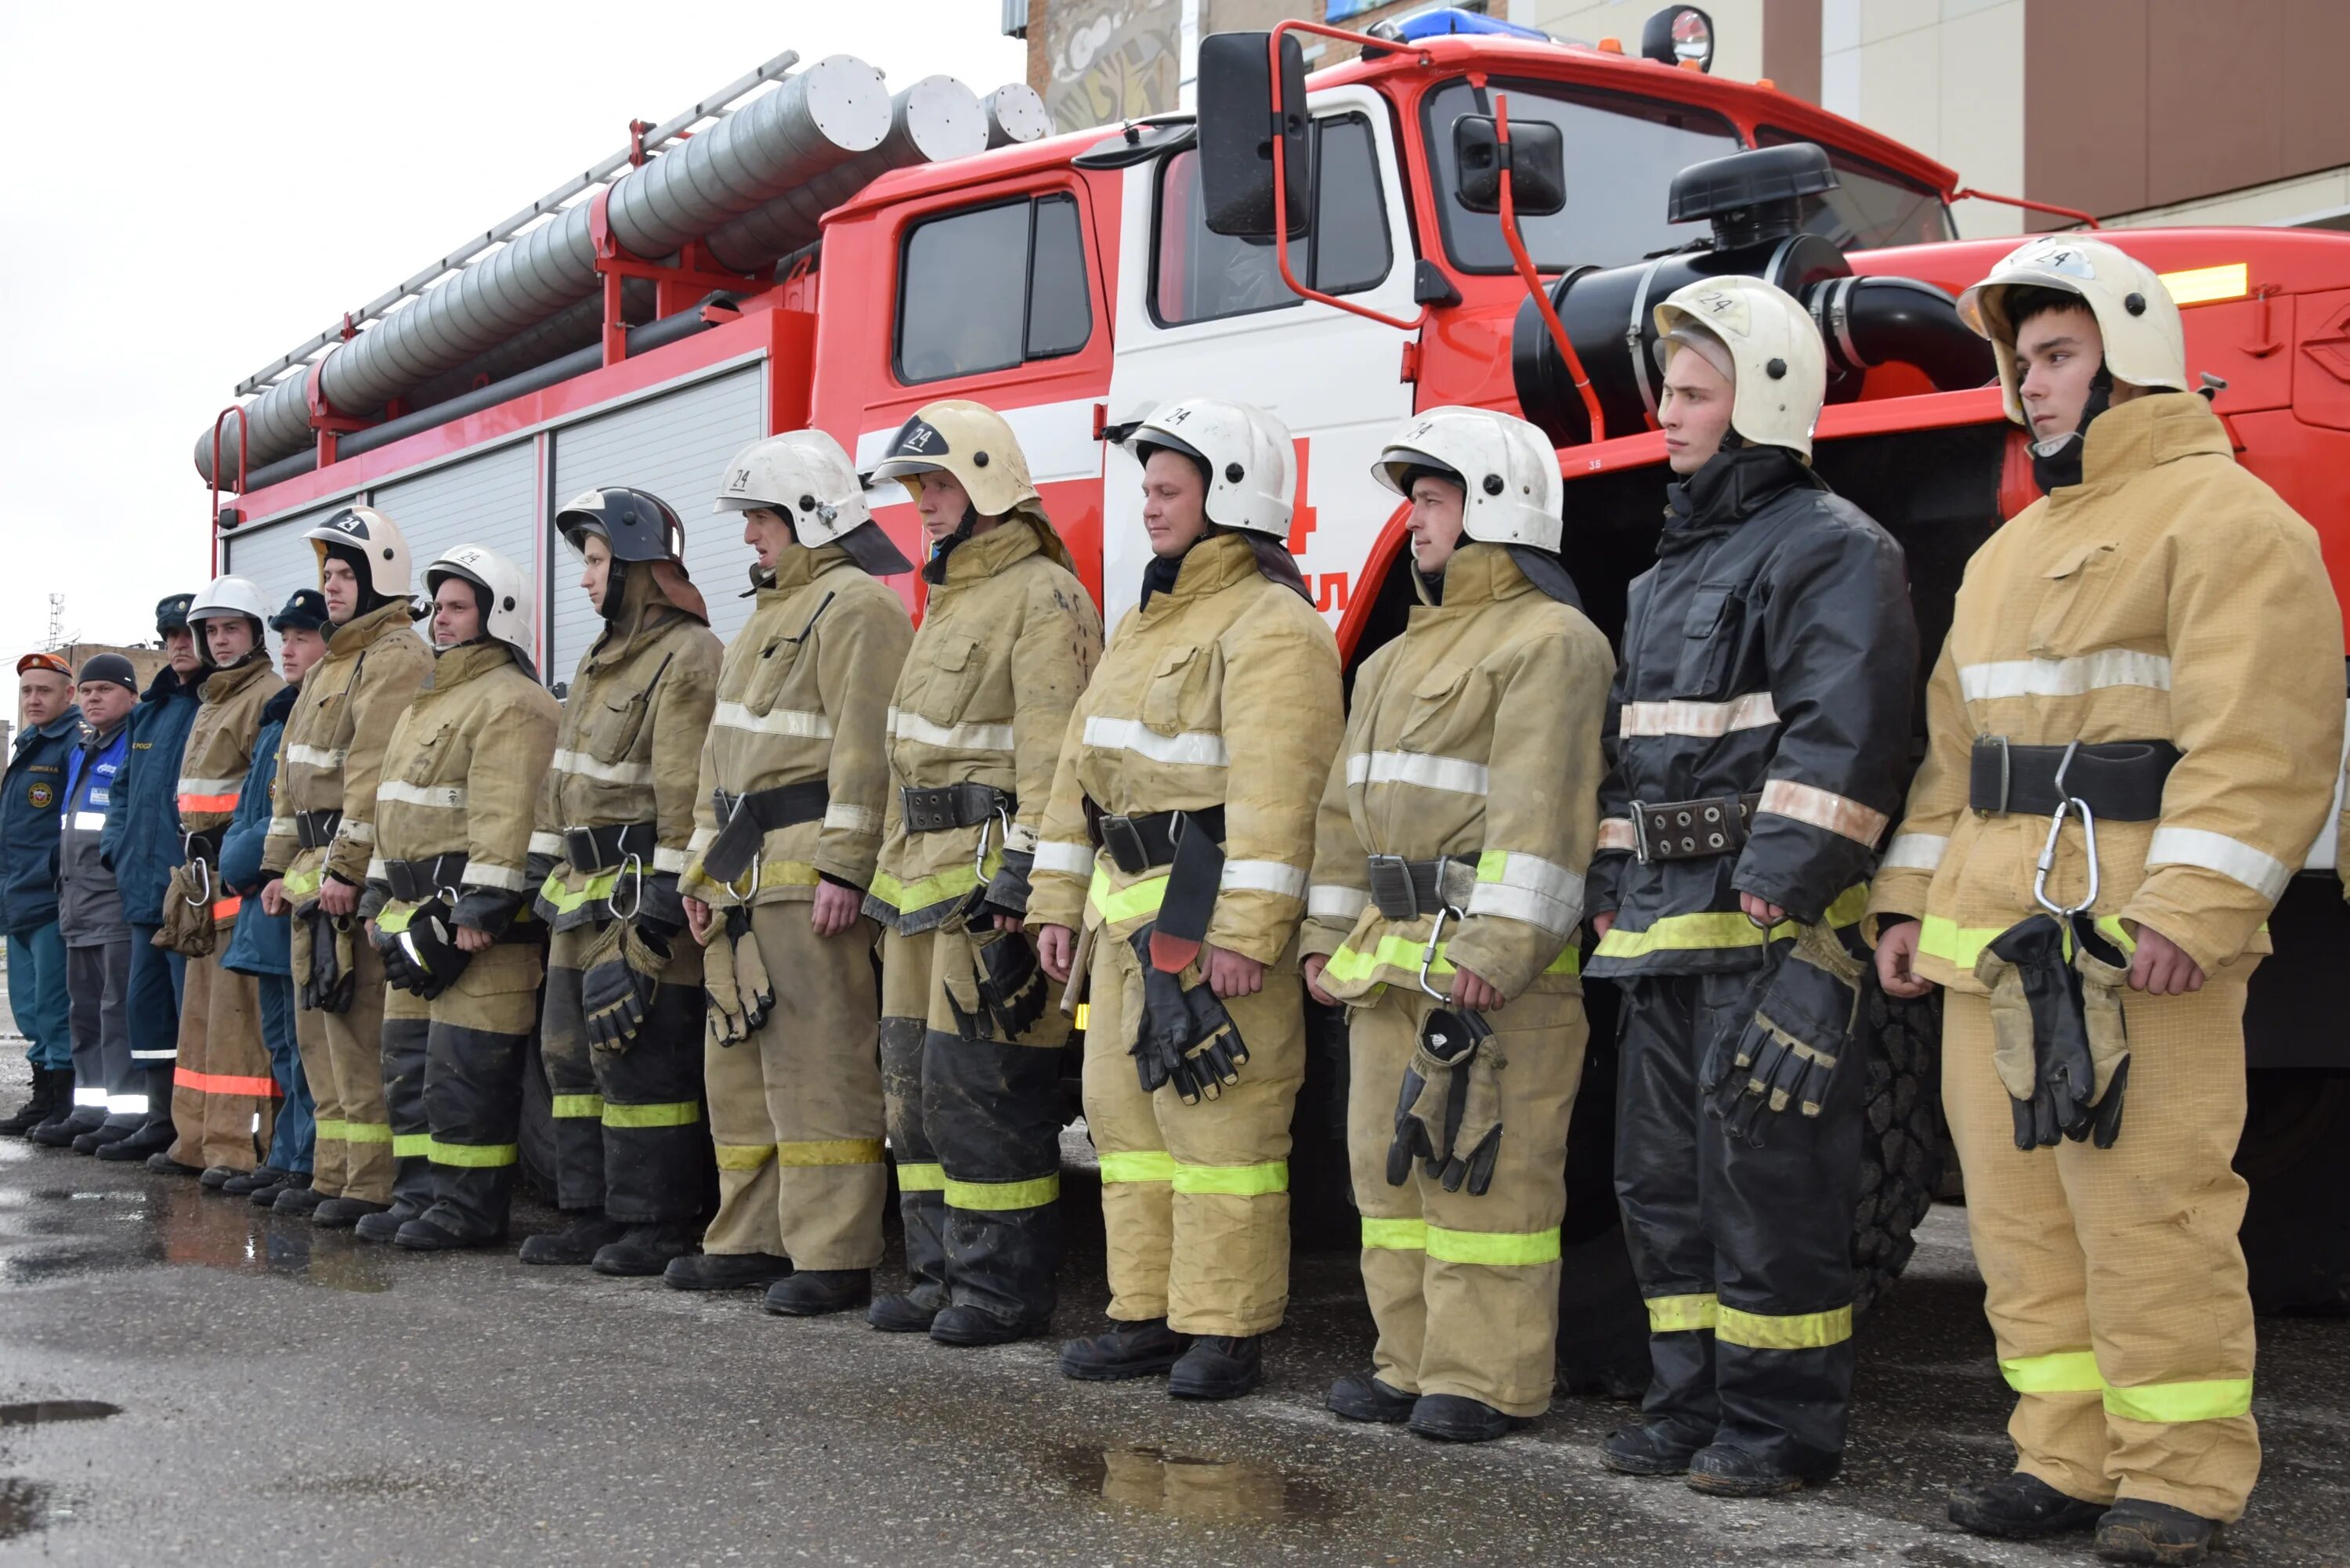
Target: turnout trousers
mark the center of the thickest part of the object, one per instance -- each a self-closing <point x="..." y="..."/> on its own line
<point x="1465" y="1288"/>
<point x="101" y="988"/>
<point x="343" y="1061"/>
<point x="224" y="1096"/>
<point x="1195" y="1199"/>
<point x="629" y="1137"/>
<point x="975" y="1127"/>
<point x="2114" y="1285"/>
<point x="796" y="1110"/>
<point x="453" y="1088"/>
<point x="291" y="1142"/>
<point x="1742" y="1251"/>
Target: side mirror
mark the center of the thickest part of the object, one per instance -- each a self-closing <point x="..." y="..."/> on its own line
<point x="1537" y="165"/>
<point x="1236" y="132"/>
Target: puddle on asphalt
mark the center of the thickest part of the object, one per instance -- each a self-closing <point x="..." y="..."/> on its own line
<point x="178" y="1224"/>
<point x="44" y="1412"/>
<point x="1191" y="1487"/>
<point x="23" y="1507"/>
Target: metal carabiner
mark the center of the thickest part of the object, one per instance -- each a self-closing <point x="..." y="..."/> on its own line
<point x="986" y="826"/>
<point x="633" y="865"/>
<point x="1428" y="954"/>
<point x="2065" y="806"/>
<point x="204" y="897"/>
<point x="744" y="885"/>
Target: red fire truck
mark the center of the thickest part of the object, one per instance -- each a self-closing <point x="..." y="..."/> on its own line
<point x="1078" y="282"/>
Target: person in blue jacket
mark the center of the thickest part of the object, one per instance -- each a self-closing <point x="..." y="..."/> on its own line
<point x="140" y="845"/>
<point x="34" y="785"/>
<point x="262" y="944"/>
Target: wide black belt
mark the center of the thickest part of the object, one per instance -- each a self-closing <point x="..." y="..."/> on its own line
<point x="1691" y="829"/>
<point x="2119" y="781"/>
<point x="607" y="848"/>
<point x="952" y="806"/>
<point x="746" y="819"/>
<point x="1407" y="889"/>
<point x="1137" y="844"/>
<point x="316" y="829"/>
<point x="413" y="881"/>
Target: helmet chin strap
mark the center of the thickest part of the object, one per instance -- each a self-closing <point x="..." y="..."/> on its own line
<point x="2056" y="462"/>
<point x="935" y="569"/>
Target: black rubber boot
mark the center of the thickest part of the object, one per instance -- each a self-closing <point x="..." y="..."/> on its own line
<point x="1720" y="1471"/>
<point x="645" y="1250"/>
<point x="2137" y="1530"/>
<point x="1456" y="1419"/>
<point x="1143" y="1349"/>
<point x="1651" y="1448"/>
<point x="162" y="1164"/>
<point x="254" y="1180"/>
<point x="574" y="1245"/>
<point x="1363" y="1397"/>
<point x="216" y="1176"/>
<point x="968" y="1326"/>
<point x="1218" y="1367"/>
<point x="154" y="1138"/>
<point x="103" y="1134"/>
<point x="910" y="1312"/>
<point x="439" y="1230"/>
<point x="52" y="1092"/>
<point x="343" y="1213"/>
<point x="303" y="1202"/>
<point x="725" y="1272"/>
<point x="267" y="1196"/>
<point x="2021" y="1508"/>
<point x="65" y="1125"/>
<point x="813" y="1292"/>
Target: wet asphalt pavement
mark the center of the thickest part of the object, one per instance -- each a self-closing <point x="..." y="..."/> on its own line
<point x="185" y="1379"/>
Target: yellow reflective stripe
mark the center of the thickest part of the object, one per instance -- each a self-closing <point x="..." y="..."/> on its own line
<point x="936" y="888"/>
<point x="1940" y="937"/>
<point x="744" y="1155"/>
<point x="1404" y="952"/>
<point x="302" y="883"/>
<point x="1681" y="934"/>
<point x="1233" y="1180"/>
<point x="327" y="1127"/>
<point x="1495" y="1249"/>
<point x="579" y="1107"/>
<point x="395" y="919"/>
<point x="1142" y="897"/>
<point x="1682" y="1315"/>
<point x="921" y="1176"/>
<point x="1798" y="1330"/>
<point x="473" y="1156"/>
<point x="998" y="1197"/>
<point x="366" y="1132"/>
<point x="831" y="1151"/>
<point x="565" y="899"/>
<point x="1398" y="1235"/>
<point x="2064" y="1372"/>
<point x="670" y="1114"/>
<point x="406" y="1145"/>
<point x="2171" y="1403"/>
<point x="772" y="874"/>
<point x="1142" y="1165"/>
<point x="2110" y="927"/>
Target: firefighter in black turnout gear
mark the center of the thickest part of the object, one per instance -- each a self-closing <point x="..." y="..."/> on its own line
<point x="1756" y="741"/>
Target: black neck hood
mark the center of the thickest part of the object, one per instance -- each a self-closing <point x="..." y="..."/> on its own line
<point x="1734" y="484"/>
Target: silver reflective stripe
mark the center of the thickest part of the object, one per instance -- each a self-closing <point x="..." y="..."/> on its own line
<point x="448" y="797"/>
<point x="1264" y="876"/>
<point x="210" y="786"/>
<point x="671" y="861"/>
<point x="1328" y="901"/>
<point x="1616" y="833"/>
<point x="962" y="737"/>
<point x="318" y="756"/>
<point x="2231" y="858"/>
<point x="506" y="880"/>
<point x="281" y="827"/>
<point x="2064" y="677"/>
<point x="579" y="764"/>
<point x="1755" y="710"/>
<point x="1824" y="808"/>
<point x="1070" y="859"/>
<point x="1915" y="852"/>
<point x="1530" y="888"/>
<point x="1197" y="748"/>
<point x="169" y="1053"/>
<point x="376" y="870"/>
<point x="780" y="722"/>
<point x="547" y="844"/>
<point x="89" y="1097"/>
<point x="88" y="821"/>
<point x="703" y="837"/>
<point x="1455" y="775"/>
<point x="126" y="1105"/>
<point x="852" y="819"/>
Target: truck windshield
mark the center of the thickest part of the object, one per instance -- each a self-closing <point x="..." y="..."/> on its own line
<point x="1874" y="207"/>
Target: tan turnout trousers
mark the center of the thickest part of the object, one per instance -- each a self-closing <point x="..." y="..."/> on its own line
<point x="342" y="1058"/>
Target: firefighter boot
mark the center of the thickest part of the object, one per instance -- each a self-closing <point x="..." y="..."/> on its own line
<point x="725" y="1271"/>
<point x="1651" y="1448"/>
<point x="2021" y="1507"/>
<point x="302" y="1202"/>
<point x="1218" y="1367"/>
<point x="381" y="1223"/>
<point x="577" y="1243"/>
<point x="52" y="1091"/>
<point x="1143" y="1349"/>
<point x="158" y="1133"/>
<point x="2137" y="1530"/>
<point x="1721" y="1469"/>
<point x="162" y="1164"/>
<point x="1456" y="1419"/>
<point x="1362" y="1396"/>
<point x="968" y="1326"/>
<point x="813" y="1293"/>
<point x="908" y="1311"/>
<point x="343" y="1213"/>
<point x="643" y="1250"/>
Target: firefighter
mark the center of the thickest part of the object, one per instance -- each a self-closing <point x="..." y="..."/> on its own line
<point x="2132" y="737"/>
<point x="621" y="1035"/>
<point x="223" y="1098"/>
<point x="971" y="1031"/>
<point x="89" y="909"/>
<point x="1215" y="705"/>
<point x="322" y="834"/>
<point x="788" y="824"/>
<point x="1758" y="729"/>
<point x="448" y="905"/>
<point x="141" y="843"/>
<point x="1467" y="793"/>
<point x="30" y="796"/>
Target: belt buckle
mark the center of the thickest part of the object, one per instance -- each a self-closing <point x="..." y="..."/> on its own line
<point x="1640" y="831"/>
<point x="579" y="848"/>
<point x="1124" y="842"/>
<point x="927" y="810"/>
<point x="1391" y="888"/>
<point x="2006" y="772"/>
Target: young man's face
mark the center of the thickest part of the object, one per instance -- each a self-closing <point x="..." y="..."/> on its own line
<point x="43" y="694"/>
<point x="595" y="568"/>
<point x="340" y="585"/>
<point x="1435" y="523"/>
<point x="1695" y="412"/>
<point x="229" y="636"/>
<point x="456" y="613"/>
<point x="104" y="703"/>
<point x="299" y="648"/>
<point x="943" y="504"/>
<point x="1174" y="503"/>
<point x="768" y="532"/>
<point x="2057" y="354"/>
<point x="180" y="650"/>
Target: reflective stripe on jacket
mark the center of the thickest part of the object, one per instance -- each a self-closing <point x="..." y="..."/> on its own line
<point x="2171" y="595"/>
<point x="89" y="900"/>
<point x="142" y="836"/>
<point x="1475" y="735"/>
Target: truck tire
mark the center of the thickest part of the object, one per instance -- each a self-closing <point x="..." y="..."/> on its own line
<point x="1901" y="1154"/>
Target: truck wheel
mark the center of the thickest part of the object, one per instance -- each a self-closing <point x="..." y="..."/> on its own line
<point x="1901" y="1153"/>
<point x="2295" y="1152"/>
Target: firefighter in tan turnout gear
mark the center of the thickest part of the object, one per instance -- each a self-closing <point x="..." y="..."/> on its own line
<point x="1455" y="833"/>
<point x="448" y="906"/>
<point x="224" y="1096"/>
<point x="788" y="824"/>
<point x="971" y="1031"/>
<point x="1178" y="839"/>
<point x="322" y="834"/>
<point x="2133" y="734"/>
<point x="621" y="1036"/>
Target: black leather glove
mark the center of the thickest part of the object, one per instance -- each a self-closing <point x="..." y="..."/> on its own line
<point x="1185" y="1038"/>
<point x="1806" y="1007"/>
<point x="2040" y="1042"/>
<point x="616" y="990"/>
<point x="424" y="960"/>
<point x="1429" y="1108"/>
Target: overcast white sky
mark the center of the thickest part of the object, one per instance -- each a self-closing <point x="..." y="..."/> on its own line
<point x="196" y="190"/>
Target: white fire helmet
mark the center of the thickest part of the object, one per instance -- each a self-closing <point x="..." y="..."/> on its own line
<point x="1507" y="468"/>
<point x="368" y="532"/>
<point x="1776" y="358"/>
<point x="224" y="597"/>
<point x="807" y="478"/>
<point x="1251" y="461"/>
<point x="505" y="594"/>
<point x="2145" y="345"/>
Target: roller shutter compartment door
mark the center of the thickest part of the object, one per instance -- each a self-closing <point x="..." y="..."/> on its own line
<point x="676" y="446"/>
<point x="489" y="500"/>
<point x="276" y="557"/>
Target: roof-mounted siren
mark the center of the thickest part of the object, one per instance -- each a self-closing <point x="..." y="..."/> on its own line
<point x="1679" y="36"/>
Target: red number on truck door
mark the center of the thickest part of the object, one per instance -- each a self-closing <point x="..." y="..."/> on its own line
<point x="1301" y="512"/>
